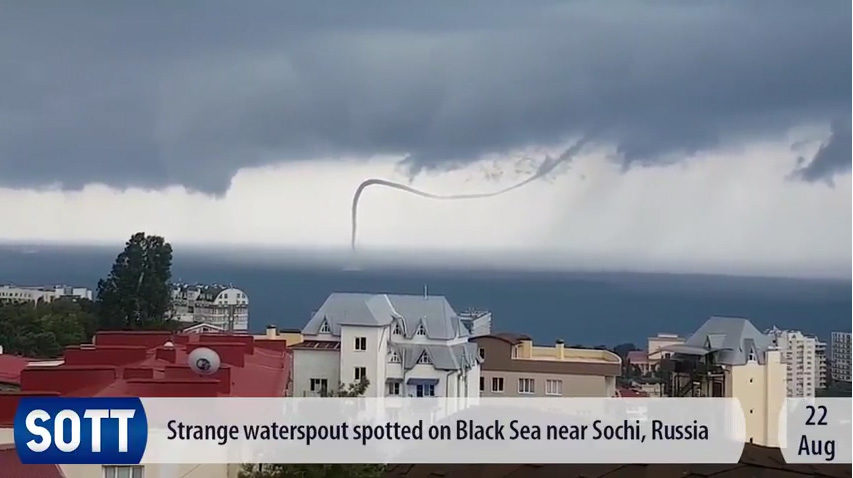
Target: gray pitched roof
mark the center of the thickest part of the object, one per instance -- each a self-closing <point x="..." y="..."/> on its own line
<point x="732" y="338"/>
<point x="443" y="357"/>
<point x="378" y="310"/>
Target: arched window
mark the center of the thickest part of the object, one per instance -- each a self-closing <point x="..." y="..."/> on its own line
<point x="394" y="357"/>
<point x="424" y="358"/>
<point x="324" y="327"/>
<point x="398" y="328"/>
<point x="421" y="330"/>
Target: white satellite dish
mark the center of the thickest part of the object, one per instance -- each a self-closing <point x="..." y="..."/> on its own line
<point x="204" y="361"/>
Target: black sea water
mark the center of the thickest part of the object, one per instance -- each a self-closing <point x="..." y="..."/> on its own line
<point x="580" y="308"/>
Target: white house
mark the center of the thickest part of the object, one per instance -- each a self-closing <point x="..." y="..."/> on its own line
<point x="222" y="306"/>
<point x="36" y="295"/>
<point x="404" y="345"/>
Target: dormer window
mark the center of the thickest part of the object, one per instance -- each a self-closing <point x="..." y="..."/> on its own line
<point x="752" y="357"/>
<point x="421" y="330"/>
<point x="398" y="328"/>
<point x="324" y="327"/>
<point x="394" y="357"/>
<point x="424" y="359"/>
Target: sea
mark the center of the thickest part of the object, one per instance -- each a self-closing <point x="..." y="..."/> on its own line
<point x="585" y="308"/>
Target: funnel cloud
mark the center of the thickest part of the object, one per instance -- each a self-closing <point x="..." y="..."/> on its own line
<point x="546" y="167"/>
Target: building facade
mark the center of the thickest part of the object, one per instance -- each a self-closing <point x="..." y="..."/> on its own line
<point x="729" y="357"/>
<point x="513" y="367"/>
<point x="39" y="295"/>
<point x="840" y="350"/>
<point x="222" y="306"/>
<point x="403" y="345"/>
<point x="822" y="371"/>
<point x="799" y="353"/>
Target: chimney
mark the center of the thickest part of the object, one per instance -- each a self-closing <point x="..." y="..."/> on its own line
<point x="272" y="331"/>
<point x="561" y="349"/>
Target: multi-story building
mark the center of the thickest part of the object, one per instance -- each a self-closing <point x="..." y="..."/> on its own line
<point x="840" y="352"/>
<point x="729" y="357"/>
<point x="657" y="343"/>
<point x="822" y="370"/>
<point x="513" y="367"/>
<point x="403" y="345"/>
<point x="799" y="353"/>
<point x="223" y="306"/>
<point x="39" y="294"/>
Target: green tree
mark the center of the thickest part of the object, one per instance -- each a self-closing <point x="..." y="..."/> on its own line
<point x="136" y="294"/>
<point x="355" y="389"/>
<point x="44" y="330"/>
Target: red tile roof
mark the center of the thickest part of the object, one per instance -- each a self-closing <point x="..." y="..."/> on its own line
<point x="638" y="356"/>
<point x="10" y="368"/>
<point x="630" y="393"/>
<point x="142" y="364"/>
<point x="13" y="468"/>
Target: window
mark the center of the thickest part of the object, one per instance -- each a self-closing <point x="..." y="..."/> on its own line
<point x="553" y="387"/>
<point x="424" y="358"/>
<point x="525" y="385"/>
<point x="498" y="384"/>
<point x="398" y="328"/>
<point x="482" y="383"/>
<point x="361" y="343"/>
<point x="319" y="385"/>
<point x="360" y="373"/>
<point x="126" y="471"/>
<point x="421" y="330"/>
<point x="482" y="353"/>
<point x="324" y="327"/>
<point x="394" y="357"/>
<point x="515" y="352"/>
<point x="427" y="390"/>
<point x="394" y="388"/>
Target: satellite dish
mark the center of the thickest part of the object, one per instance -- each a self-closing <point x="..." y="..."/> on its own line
<point x="204" y="361"/>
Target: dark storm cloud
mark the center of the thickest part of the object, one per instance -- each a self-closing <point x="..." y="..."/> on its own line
<point x="833" y="157"/>
<point x="156" y="93"/>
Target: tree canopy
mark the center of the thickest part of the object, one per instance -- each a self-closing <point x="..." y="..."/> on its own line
<point x="136" y="294"/>
<point x="44" y="330"/>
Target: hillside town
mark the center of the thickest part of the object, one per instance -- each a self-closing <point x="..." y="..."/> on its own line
<point x="132" y="337"/>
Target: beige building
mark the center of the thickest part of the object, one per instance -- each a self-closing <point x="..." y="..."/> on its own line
<point x="513" y="367"/>
<point x="290" y="336"/>
<point x="799" y="353"/>
<point x="657" y="343"/>
<point x="729" y="357"/>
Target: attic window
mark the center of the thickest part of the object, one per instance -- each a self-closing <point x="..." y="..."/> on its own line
<point x="394" y="357"/>
<point x="752" y="357"/>
<point x="398" y="329"/>
<point x="424" y="358"/>
<point x="421" y="330"/>
<point x="324" y="327"/>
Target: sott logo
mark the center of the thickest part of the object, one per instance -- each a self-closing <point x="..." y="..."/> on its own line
<point x="80" y="430"/>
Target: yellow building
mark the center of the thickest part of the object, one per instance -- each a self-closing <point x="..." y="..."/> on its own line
<point x="290" y="336"/>
<point x="729" y="357"/>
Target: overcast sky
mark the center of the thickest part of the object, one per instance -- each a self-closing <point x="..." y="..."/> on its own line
<point x="718" y="134"/>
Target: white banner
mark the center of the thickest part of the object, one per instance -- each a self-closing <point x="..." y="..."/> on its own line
<point x="440" y="430"/>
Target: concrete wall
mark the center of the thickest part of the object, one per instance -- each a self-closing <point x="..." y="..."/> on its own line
<point x="761" y="391"/>
<point x="573" y="385"/>
<point x="308" y="364"/>
<point x="372" y="359"/>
